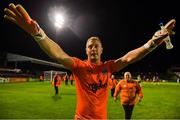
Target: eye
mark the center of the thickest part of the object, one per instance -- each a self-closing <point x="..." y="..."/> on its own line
<point x="90" y="46"/>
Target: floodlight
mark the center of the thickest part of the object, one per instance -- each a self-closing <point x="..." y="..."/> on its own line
<point x="58" y="20"/>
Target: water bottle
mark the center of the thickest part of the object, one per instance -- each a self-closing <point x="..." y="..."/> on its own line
<point x="167" y="40"/>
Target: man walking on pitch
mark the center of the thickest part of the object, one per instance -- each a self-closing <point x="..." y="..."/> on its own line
<point x="130" y="93"/>
<point x="56" y="82"/>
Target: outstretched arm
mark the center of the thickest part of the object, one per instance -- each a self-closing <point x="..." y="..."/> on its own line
<point x="142" y="51"/>
<point x="18" y="15"/>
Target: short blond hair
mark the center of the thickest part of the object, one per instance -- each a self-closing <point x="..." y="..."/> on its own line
<point x="127" y="73"/>
<point x="94" y="38"/>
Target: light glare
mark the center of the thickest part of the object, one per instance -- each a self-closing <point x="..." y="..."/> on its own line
<point x="59" y="20"/>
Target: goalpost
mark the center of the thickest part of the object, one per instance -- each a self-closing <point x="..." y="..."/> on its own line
<point x="48" y="75"/>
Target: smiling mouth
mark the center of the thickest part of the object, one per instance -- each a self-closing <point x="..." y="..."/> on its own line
<point x="93" y="54"/>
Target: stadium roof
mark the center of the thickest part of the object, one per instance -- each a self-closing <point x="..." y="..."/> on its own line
<point x="20" y="58"/>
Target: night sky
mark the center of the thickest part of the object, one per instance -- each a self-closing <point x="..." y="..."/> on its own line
<point x="122" y="26"/>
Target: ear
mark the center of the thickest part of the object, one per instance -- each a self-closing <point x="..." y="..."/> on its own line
<point x="86" y="51"/>
<point x="101" y="50"/>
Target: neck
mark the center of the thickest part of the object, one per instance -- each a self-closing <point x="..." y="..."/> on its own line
<point x="129" y="80"/>
<point x="95" y="61"/>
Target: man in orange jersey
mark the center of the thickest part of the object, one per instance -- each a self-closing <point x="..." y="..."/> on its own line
<point x="92" y="75"/>
<point x="66" y="78"/>
<point x="129" y="89"/>
<point x="71" y="78"/>
<point x="56" y="82"/>
<point x="112" y="84"/>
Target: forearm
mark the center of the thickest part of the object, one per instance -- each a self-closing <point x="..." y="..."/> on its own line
<point x="52" y="49"/>
<point x="142" y="51"/>
<point x="135" y="55"/>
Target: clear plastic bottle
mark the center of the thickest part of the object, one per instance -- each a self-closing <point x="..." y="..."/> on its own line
<point x="167" y="40"/>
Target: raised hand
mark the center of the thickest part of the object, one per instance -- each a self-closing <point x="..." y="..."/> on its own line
<point x="165" y="33"/>
<point x="170" y="26"/>
<point x="18" y="15"/>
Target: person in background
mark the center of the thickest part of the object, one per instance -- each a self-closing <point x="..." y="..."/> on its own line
<point x="130" y="93"/>
<point x="112" y="84"/>
<point x="66" y="78"/>
<point x="139" y="80"/>
<point x="71" y="79"/>
<point x="56" y="82"/>
<point x="41" y="77"/>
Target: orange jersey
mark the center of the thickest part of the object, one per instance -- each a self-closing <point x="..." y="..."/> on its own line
<point x="57" y="80"/>
<point x="91" y="88"/>
<point x="65" y="77"/>
<point x="71" y="77"/>
<point x="112" y="83"/>
<point x="128" y="91"/>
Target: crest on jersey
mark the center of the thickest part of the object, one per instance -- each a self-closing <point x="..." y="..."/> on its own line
<point x="104" y="71"/>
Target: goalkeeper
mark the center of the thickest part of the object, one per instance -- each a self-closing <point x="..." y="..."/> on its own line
<point x="92" y="75"/>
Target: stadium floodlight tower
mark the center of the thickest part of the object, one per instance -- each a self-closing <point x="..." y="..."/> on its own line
<point x="58" y="20"/>
<point x="57" y="16"/>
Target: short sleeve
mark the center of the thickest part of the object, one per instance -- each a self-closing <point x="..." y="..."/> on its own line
<point x="110" y="64"/>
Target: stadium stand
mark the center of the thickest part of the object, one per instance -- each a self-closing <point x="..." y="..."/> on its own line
<point x="18" y="68"/>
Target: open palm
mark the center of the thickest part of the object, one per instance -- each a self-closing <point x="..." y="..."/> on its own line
<point x="18" y="15"/>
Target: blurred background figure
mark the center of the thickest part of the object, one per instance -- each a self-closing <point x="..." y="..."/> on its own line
<point x="66" y="79"/>
<point x="71" y="78"/>
<point x="56" y="82"/>
<point x="130" y="93"/>
<point x="112" y="84"/>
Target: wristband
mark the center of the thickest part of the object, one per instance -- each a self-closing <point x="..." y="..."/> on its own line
<point x="40" y="36"/>
<point x="150" y="47"/>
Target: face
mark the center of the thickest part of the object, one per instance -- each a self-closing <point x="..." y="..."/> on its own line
<point x="94" y="49"/>
<point x="127" y="76"/>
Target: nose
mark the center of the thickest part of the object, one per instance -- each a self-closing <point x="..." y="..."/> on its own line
<point x="93" y="47"/>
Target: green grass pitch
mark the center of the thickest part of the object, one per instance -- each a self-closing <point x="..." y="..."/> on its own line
<point x="36" y="100"/>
